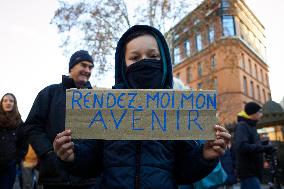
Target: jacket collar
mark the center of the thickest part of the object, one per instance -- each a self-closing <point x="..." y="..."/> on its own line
<point x="247" y="120"/>
<point x="69" y="83"/>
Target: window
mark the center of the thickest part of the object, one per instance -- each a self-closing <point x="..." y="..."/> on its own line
<point x="264" y="96"/>
<point x="269" y="96"/>
<point x="251" y="89"/>
<point x="245" y="85"/>
<point x="255" y="70"/>
<point x="199" y="86"/>
<point x="176" y="55"/>
<point x="186" y="46"/>
<point x="258" y="93"/>
<point x="198" y="42"/>
<point x="199" y="69"/>
<point x="228" y="25"/>
<point x="211" y="34"/>
<point x="197" y="21"/>
<point x="213" y="62"/>
<point x="267" y="82"/>
<point x="261" y="76"/>
<point x="176" y="37"/>
<point x="188" y="75"/>
<point x="243" y="65"/>
<point x="178" y="75"/>
<point x="250" y="68"/>
<point x="225" y="3"/>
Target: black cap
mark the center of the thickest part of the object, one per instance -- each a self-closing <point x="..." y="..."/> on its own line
<point x="78" y="57"/>
<point x="252" y="108"/>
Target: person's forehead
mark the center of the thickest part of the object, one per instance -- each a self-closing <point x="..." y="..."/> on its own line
<point x="10" y="97"/>
<point x="86" y="63"/>
<point x="143" y="41"/>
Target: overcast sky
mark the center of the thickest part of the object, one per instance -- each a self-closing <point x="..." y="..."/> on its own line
<point x="31" y="58"/>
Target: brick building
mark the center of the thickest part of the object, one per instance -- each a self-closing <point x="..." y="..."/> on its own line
<point x="221" y="45"/>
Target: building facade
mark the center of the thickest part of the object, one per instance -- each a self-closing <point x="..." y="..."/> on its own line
<point x="221" y="45"/>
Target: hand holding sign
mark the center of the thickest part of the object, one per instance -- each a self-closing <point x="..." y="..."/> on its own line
<point x="63" y="146"/>
<point x="216" y="148"/>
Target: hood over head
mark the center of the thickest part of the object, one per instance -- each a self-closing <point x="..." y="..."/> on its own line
<point x="120" y="65"/>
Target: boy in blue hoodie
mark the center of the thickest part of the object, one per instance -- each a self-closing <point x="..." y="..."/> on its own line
<point x="142" y="61"/>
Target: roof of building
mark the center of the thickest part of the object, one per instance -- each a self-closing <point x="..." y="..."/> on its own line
<point x="273" y="114"/>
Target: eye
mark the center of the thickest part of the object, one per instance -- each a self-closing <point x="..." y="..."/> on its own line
<point x="91" y="67"/>
<point x="155" y="55"/>
<point x="134" y="58"/>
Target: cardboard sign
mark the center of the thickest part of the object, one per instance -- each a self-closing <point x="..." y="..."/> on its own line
<point x="141" y="114"/>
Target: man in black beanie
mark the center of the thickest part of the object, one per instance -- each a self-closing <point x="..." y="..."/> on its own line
<point x="47" y="118"/>
<point x="248" y="148"/>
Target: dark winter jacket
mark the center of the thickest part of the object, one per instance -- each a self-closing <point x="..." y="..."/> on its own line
<point x="248" y="148"/>
<point x="13" y="145"/>
<point x="145" y="164"/>
<point x="45" y="120"/>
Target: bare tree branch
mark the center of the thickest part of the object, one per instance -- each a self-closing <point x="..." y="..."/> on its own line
<point x="98" y="24"/>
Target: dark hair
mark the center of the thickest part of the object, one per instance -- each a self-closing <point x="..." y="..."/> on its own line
<point x="12" y="118"/>
<point x="135" y="35"/>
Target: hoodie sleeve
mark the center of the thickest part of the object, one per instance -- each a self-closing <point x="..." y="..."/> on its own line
<point x="190" y="164"/>
<point x="242" y="141"/>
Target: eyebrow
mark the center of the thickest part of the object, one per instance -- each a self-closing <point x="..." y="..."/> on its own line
<point x="151" y="50"/>
<point x="86" y="64"/>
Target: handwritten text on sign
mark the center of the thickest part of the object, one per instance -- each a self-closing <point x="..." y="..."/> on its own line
<point x="141" y="114"/>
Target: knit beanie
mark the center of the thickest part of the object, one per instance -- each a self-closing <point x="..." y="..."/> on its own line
<point x="252" y="108"/>
<point x="78" y="57"/>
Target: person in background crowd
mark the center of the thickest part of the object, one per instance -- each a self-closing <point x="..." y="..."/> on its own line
<point x="248" y="148"/>
<point x="47" y="118"/>
<point x="12" y="140"/>
<point x="28" y="170"/>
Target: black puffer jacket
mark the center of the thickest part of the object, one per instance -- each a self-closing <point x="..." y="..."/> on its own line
<point x="45" y="120"/>
<point x="13" y="145"/>
<point x="144" y="164"/>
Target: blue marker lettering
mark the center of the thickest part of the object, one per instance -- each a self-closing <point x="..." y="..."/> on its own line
<point x="109" y="96"/>
<point x="164" y="128"/>
<point x="98" y="114"/>
<point x="120" y="100"/>
<point x="167" y="100"/>
<point x="116" y="124"/>
<point x="211" y="101"/>
<point x="131" y="100"/>
<point x="134" y="120"/>
<point x="177" y="116"/>
<point x="76" y="100"/>
<point x="98" y="101"/>
<point x="187" y="98"/>
<point x="195" y="120"/>
<point x="86" y="100"/>
<point x="173" y="99"/>
<point x="149" y="97"/>
<point x="200" y="105"/>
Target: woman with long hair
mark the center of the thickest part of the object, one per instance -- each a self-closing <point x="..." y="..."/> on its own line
<point x="12" y="140"/>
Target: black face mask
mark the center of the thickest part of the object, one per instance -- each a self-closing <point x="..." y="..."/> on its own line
<point x="145" y="74"/>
